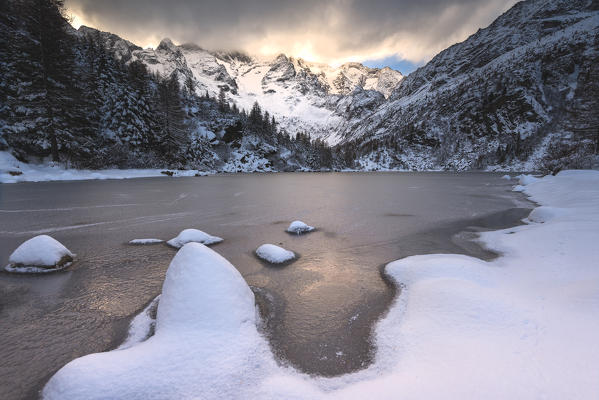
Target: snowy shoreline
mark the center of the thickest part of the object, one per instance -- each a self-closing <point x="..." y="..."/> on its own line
<point x="523" y="325"/>
<point x="14" y="171"/>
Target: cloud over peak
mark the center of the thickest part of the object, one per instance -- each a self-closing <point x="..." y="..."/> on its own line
<point x="331" y="31"/>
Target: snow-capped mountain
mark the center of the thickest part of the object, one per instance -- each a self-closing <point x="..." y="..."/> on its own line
<point x="522" y="93"/>
<point x="303" y="96"/>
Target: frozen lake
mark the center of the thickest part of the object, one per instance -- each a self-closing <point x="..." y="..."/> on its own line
<point x="318" y="310"/>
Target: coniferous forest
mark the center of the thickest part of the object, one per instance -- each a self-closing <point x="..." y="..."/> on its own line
<point x="65" y="98"/>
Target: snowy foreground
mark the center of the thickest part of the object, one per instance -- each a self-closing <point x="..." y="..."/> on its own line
<point x="522" y="326"/>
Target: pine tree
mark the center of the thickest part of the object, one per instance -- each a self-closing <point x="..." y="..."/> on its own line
<point x="41" y="77"/>
<point x="174" y="133"/>
<point x="255" y="117"/>
<point x="223" y="105"/>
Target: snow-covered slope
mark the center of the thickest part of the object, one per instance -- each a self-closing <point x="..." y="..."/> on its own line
<point x="302" y="96"/>
<point x="520" y="94"/>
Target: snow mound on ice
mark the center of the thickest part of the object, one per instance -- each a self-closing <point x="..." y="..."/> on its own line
<point x="274" y="254"/>
<point x="506" y="177"/>
<point x="299" y="227"/>
<point x="193" y="235"/>
<point x="206" y="342"/>
<point x="145" y="241"/>
<point x="39" y="254"/>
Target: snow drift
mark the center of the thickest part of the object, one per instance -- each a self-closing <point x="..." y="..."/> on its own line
<point x="522" y="326"/>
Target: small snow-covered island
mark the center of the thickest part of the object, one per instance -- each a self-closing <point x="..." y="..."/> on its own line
<point x="39" y="254"/>
<point x="274" y="254"/>
<point x="145" y="241"/>
<point x="363" y="199"/>
<point x="299" y="227"/>
<point x="193" y="235"/>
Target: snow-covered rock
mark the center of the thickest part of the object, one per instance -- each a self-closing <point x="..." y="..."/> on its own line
<point x="39" y="254"/>
<point x="274" y="254"/>
<point x="145" y="241"/>
<point x="193" y="235"/>
<point x="206" y="338"/>
<point x="299" y="227"/>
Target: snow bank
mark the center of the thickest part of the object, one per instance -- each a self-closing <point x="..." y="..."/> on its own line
<point x="299" y="227"/>
<point x="39" y="254"/>
<point x="522" y="326"/>
<point x="527" y="179"/>
<point x="193" y="235"/>
<point x="274" y="254"/>
<point x="12" y="171"/>
<point x="145" y="241"/>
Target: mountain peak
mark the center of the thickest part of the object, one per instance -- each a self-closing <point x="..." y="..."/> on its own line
<point x="167" y="45"/>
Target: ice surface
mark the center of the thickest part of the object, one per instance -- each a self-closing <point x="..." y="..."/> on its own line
<point x="145" y="241"/>
<point x="193" y="235"/>
<point x="39" y="254"/>
<point x="274" y="254"/>
<point x="524" y="325"/>
<point x="299" y="227"/>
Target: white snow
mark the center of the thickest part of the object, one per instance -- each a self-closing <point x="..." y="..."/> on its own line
<point x="193" y="235"/>
<point x="506" y="177"/>
<point x="145" y="241"/>
<point x="526" y="179"/>
<point x="141" y="326"/>
<point x="206" y="343"/>
<point x="274" y="254"/>
<point x="524" y="325"/>
<point x="12" y="171"/>
<point x="299" y="227"/>
<point x="39" y="254"/>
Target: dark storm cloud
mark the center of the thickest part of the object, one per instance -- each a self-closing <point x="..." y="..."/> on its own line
<point x="323" y="30"/>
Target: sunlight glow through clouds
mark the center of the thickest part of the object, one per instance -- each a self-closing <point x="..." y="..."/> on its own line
<point x="331" y="32"/>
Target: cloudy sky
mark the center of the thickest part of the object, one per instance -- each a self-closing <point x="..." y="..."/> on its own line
<point x="399" y="33"/>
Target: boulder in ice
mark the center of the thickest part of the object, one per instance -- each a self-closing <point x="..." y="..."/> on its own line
<point x="39" y="254"/>
<point x="193" y="235"/>
<point x="274" y="254"/>
<point x="299" y="227"/>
